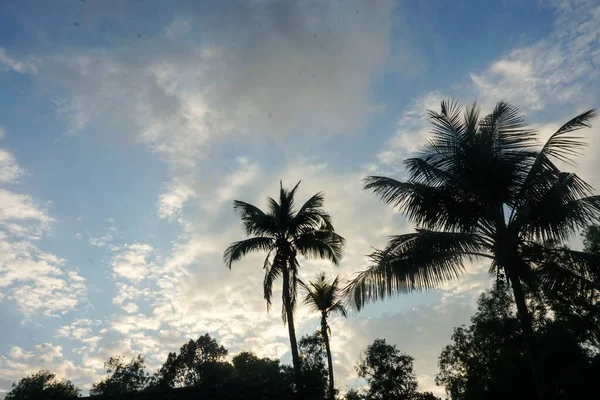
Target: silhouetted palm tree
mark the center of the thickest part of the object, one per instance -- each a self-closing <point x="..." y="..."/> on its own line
<point x="284" y="233"/>
<point x="325" y="297"/>
<point x="481" y="188"/>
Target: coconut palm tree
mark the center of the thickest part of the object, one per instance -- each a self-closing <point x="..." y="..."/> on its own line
<point x="482" y="188"/>
<point x="284" y="233"/>
<point x="325" y="298"/>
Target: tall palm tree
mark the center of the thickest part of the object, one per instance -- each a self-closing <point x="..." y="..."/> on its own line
<point x="326" y="298"/>
<point x="283" y="233"/>
<point x="482" y="188"/>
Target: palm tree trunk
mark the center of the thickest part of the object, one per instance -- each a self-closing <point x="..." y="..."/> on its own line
<point x="329" y="359"/>
<point x="530" y="347"/>
<point x="292" y="331"/>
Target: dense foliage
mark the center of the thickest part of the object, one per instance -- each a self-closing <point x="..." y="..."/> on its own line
<point x="389" y="374"/>
<point x="130" y="377"/>
<point x="43" y="386"/>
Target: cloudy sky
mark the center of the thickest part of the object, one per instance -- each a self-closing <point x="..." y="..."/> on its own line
<point x="127" y="128"/>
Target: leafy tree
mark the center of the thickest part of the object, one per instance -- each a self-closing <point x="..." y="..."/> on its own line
<point x="388" y="372"/>
<point x="283" y="233"/>
<point x="130" y="377"/>
<point x="573" y="292"/>
<point x="258" y="371"/>
<point x="487" y="360"/>
<point x="199" y="363"/>
<point x="480" y="189"/>
<point x="314" y="373"/>
<point x="324" y="297"/>
<point x="42" y="386"/>
<point x="353" y="394"/>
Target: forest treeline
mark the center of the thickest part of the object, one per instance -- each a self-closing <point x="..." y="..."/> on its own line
<point x="482" y="190"/>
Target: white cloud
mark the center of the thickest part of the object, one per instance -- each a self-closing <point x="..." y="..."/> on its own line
<point x="130" y="323"/>
<point x="21" y="207"/>
<point x="132" y="262"/>
<point x="11" y="64"/>
<point x="188" y="94"/>
<point x="552" y="72"/>
<point x="10" y="171"/>
<point x="412" y="128"/>
<point x="172" y="199"/>
<point x="35" y="280"/>
<point x="19" y="362"/>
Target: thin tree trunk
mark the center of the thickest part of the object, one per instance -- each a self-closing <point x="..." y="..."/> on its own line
<point x="530" y="346"/>
<point x="292" y="331"/>
<point x="329" y="359"/>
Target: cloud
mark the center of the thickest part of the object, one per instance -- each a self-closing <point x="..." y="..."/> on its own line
<point x="412" y="128"/>
<point x="19" y="362"/>
<point x="171" y="200"/>
<point x="35" y="280"/>
<point x="132" y="262"/>
<point x="10" y="171"/>
<point x="260" y="68"/>
<point x="21" y="207"/>
<point x="552" y="72"/>
<point x="11" y="64"/>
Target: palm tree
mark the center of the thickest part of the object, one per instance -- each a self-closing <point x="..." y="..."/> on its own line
<point x="283" y="233"/>
<point x="325" y="297"/>
<point x="481" y="188"/>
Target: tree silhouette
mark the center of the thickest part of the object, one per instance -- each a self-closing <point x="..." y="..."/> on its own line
<point x="481" y="189"/>
<point x="388" y="372"/>
<point x="42" y="385"/>
<point x="130" y="377"/>
<point x="200" y="362"/>
<point x="283" y="233"/>
<point x="314" y="373"/>
<point x="324" y="297"/>
<point x="487" y="359"/>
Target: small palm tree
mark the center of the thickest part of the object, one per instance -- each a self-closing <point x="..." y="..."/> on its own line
<point x="481" y="188"/>
<point x="325" y="297"/>
<point x="283" y="233"/>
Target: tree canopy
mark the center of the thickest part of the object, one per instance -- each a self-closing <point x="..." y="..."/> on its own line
<point x="130" y="377"/>
<point x="42" y="385"/>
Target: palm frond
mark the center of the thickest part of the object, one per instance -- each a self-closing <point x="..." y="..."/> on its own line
<point x="286" y="201"/>
<point x="542" y="172"/>
<point x="273" y="270"/>
<point x="471" y="119"/>
<point x="559" y="211"/>
<point x="562" y="270"/>
<point x="564" y="147"/>
<point x="507" y="128"/>
<point x="311" y="215"/>
<point x="237" y="250"/>
<point x="339" y="308"/>
<point x="416" y="261"/>
<point x="323" y="296"/>
<point x="447" y="125"/>
<point x="292" y="274"/>
<point x="446" y="207"/>
<point x="322" y="243"/>
<point x="255" y="221"/>
<point x="311" y="297"/>
<point x="274" y="209"/>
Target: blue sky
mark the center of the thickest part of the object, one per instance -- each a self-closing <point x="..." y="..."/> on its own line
<point x="128" y="127"/>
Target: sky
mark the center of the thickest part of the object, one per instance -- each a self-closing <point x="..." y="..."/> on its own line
<point x="127" y="128"/>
